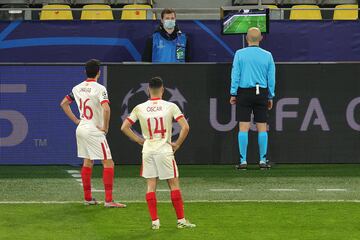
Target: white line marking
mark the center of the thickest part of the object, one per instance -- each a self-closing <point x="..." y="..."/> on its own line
<point x="98" y="190"/>
<point x="331" y="190"/>
<point x="226" y="190"/>
<point x="163" y="190"/>
<point x="72" y="171"/>
<point x="283" y="190"/>
<point x="76" y="175"/>
<point x="196" y="201"/>
<point x="78" y="180"/>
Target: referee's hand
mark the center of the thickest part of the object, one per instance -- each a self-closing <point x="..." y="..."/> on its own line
<point x="233" y="100"/>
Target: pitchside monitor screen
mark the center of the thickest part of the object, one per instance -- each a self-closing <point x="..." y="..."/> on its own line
<point x="239" y="21"/>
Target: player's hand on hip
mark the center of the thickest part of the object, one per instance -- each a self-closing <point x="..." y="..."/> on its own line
<point x="140" y="141"/>
<point x="105" y="130"/>
<point x="270" y="104"/>
<point x="174" y="146"/>
<point x="232" y="100"/>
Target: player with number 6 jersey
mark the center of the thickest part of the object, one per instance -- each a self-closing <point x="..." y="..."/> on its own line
<point x="93" y="104"/>
<point x="156" y="117"/>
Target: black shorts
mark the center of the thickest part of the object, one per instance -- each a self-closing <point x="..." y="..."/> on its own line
<point x="248" y="102"/>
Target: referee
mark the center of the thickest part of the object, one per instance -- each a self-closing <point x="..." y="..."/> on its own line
<point x="252" y="90"/>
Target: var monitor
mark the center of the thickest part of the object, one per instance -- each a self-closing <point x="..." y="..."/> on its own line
<point x="240" y="20"/>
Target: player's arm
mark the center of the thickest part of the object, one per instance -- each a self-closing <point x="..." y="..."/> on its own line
<point x="104" y="101"/>
<point x="106" y="117"/>
<point x="183" y="134"/>
<point x="65" y="105"/>
<point x="126" y="129"/>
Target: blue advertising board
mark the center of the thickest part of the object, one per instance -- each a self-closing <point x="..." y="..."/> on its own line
<point x="33" y="128"/>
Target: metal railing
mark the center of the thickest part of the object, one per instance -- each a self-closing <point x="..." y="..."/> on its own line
<point x="201" y="11"/>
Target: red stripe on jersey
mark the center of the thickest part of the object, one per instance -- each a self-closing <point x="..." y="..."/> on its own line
<point x="179" y="117"/>
<point x="154" y="99"/>
<point x="141" y="168"/>
<point x="69" y="98"/>
<point x="104" y="151"/>
<point x="149" y="128"/>
<point x="174" y="166"/>
<point x="90" y="80"/>
<point x="131" y="121"/>
<point x="104" y="101"/>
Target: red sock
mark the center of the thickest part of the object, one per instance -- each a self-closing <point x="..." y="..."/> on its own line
<point x="177" y="203"/>
<point x="86" y="181"/>
<point x="108" y="180"/>
<point x="151" y="202"/>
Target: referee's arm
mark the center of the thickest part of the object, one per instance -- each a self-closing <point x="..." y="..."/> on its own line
<point x="271" y="78"/>
<point x="235" y="79"/>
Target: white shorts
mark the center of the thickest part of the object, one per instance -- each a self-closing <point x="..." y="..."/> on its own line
<point x="92" y="144"/>
<point x="161" y="165"/>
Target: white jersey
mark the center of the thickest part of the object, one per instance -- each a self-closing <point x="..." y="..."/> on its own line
<point x="89" y="96"/>
<point x="156" y="118"/>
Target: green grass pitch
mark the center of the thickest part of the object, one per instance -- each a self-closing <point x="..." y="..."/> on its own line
<point x="286" y="202"/>
<point x="241" y="24"/>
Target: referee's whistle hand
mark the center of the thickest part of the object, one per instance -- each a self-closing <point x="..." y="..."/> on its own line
<point x="270" y="104"/>
<point x="233" y="100"/>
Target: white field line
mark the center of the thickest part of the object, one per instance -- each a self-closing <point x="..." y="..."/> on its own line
<point x="163" y="190"/>
<point x="72" y="171"/>
<point x="331" y="189"/>
<point x="197" y="201"/>
<point x="283" y="190"/>
<point x="225" y="190"/>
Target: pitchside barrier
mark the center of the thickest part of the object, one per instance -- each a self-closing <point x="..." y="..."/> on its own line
<point x="315" y="119"/>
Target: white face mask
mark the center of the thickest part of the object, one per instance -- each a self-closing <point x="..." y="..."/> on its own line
<point x="169" y="24"/>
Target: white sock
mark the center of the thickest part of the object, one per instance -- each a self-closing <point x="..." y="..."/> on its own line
<point x="156" y="222"/>
<point x="181" y="220"/>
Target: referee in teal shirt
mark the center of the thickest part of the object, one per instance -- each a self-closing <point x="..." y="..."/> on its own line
<point x="252" y="90"/>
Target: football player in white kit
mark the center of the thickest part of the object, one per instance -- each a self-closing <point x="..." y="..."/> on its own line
<point x="93" y="104"/>
<point x="158" y="162"/>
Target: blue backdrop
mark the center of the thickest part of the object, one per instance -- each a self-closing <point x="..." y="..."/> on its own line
<point x="33" y="128"/>
<point x="121" y="41"/>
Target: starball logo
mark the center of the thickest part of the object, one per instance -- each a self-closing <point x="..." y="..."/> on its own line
<point x="142" y="92"/>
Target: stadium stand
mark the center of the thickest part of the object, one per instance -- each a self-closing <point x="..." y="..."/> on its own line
<point x="137" y="14"/>
<point x="298" y="12"/>
<point x="88" y="14"/>
<point x="13" y="14"/>
<point x="48" y="14"/>
<point x="346" y="14"/>
<point x="201" y="9"/>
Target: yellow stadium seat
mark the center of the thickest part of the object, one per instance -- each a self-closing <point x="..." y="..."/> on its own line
<point x="105" y="14"/>
<point x="65" y="14"/>
<point x="312" y="14"/>
<point x="272" y="6"/>
<point x="346" y="14"/>
<point x="137" y="14"/>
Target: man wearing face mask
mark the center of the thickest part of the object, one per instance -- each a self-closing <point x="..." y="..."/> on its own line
<point x="167" y="43"/>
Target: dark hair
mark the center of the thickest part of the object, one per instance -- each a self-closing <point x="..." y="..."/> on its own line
<point x="155" y="83"/>
<point x="92" y="68"/>
<point x="167" y="11"/>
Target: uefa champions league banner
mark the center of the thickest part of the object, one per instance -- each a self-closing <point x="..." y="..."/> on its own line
<point x="316" y="115"/>
<point x="315" y="119"/>
<point x="33" y="128"/>
<point x="124" y="41"/>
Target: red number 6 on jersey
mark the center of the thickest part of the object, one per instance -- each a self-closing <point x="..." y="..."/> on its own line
<point x="87" y="112"/>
